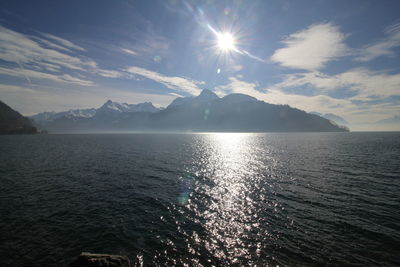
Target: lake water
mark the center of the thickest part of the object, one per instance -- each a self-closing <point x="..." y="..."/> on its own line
<point x="203" y="199"/>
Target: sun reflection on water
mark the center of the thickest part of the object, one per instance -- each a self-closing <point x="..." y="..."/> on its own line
<point x="226" y="193"/>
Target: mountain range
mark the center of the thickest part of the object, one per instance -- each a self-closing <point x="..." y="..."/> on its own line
<point x="204" y="113"/>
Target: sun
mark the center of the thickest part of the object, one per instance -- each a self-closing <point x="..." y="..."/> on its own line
<point x="225" y="41"/>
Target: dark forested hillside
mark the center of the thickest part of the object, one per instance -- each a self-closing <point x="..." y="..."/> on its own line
<point x="11" y="122"/>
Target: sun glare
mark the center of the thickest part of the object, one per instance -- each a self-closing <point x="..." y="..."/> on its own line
<point x="225" y="41"/>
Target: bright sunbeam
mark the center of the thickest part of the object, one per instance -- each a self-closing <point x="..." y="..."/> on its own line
<point x="225" y="41"/>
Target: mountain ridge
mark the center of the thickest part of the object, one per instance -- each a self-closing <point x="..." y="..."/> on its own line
<point x="205" y="112"/>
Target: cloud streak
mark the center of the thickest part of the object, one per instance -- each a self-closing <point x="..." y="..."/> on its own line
<point x="63" y="42"/>
<point x="19" y="48"/>
<point x="363" y="83"/>
<point x="175" y="83"/>
<point x="54" y="59"/>
<point x="129" y="51"/>
<point x="32" y="74"/>
<point x="383" y="47"/>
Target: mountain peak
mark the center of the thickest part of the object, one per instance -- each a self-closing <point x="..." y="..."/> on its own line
<point x="207" y="95"/>
<point x="110" y="105"/>
<point x="236" y="98"/>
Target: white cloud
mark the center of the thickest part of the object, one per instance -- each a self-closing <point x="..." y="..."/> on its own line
<point x="239" y="87"/>
<point x="19" y="48"/>
<point x="46" y="59"/>
<point x="175" y="83"/>
<point x="363" y="83"/>
<point x="63" y="42"/>
<point x="49" y="67"/>
<point x="109" y="73"/>
<point x="129" y="51"/>
<point x="29" y="74"/>
<point x="311" y="48"/>
<point x="49" y="44"/>
<point x="7" y="88"/>
<point x="383" y="47"/>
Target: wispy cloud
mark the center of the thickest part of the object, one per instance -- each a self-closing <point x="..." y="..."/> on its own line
<point x="238" y="86"/>
<point x="54" y="59"/>
<point x="7" y="88"/>
<point x="311" y="48"/>
<point x="109" y="73"/>
<point x="48" y="44"/>
<point x="20" y="48"/>
<point x="147" y="43"/>
<point x="32" y="74"/>
<point x="129" y="51"/>
<point x="382" y="47"/>
<point x="364" y="84"/>
<point x="175" y="83"/>
<point x="63" y="42"/>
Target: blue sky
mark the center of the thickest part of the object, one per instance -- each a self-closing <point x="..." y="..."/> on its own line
<point x="338" y="57"/>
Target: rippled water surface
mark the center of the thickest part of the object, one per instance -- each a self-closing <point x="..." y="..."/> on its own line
<point x="202" y="199"/>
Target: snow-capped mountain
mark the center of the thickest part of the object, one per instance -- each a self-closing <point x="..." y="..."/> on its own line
<point x="51" y="116"/>
<point x="124" y="107"/>
<point x="108" y="107"/>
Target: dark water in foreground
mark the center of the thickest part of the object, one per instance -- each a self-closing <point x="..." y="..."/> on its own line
<point x="202" y="199"/>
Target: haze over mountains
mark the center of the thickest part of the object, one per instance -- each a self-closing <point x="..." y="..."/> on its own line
<point x="205" y="112"/>
<point x="332" y="117"/>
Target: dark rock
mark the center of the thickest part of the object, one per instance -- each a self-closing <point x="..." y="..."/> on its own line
<point x="100" y="260"/>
